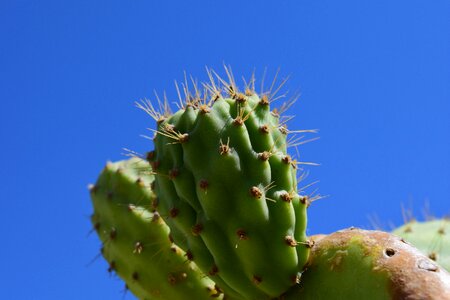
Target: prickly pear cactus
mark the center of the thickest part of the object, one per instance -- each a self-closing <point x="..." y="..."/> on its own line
<point x="431" y="237"/>
<point x="136" y="241"/>
<point x="228" y="189"/>
<point x="361" y="264"/>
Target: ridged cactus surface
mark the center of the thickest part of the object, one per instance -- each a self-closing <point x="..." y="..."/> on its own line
<point x="228" y="189"/>
<point x="136" y="241"/>
<point x="431" y="237"/>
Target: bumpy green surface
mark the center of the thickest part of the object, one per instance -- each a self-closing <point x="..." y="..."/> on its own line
<point x="432" y="238"/>
<point x="228" y="190"/>
<point x="136" y="241"/>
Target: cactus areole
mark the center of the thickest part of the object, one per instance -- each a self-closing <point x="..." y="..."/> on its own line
<point x="228" y="189"/>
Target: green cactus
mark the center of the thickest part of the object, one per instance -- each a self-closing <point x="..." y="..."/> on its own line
<point x="136" y="241"/>
<point x="431" y="237"/>
<point x="228" y="189"/>
<point x="361" y="264"/>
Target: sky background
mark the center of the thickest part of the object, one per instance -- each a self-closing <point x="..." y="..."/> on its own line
<point x="373" y="75"/>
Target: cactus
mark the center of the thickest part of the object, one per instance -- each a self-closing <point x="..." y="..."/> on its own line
<point x="136" y="241"/>
<point x="361" y="264"/>
<point x="228" y="220"/>
<point x="431" y="237"/>
<point x="228" y="189"/>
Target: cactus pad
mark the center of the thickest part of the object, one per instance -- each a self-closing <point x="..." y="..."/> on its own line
<point x="228" y="189"/>
<point x="136" y="241"/>
<point x="361" y="264"/>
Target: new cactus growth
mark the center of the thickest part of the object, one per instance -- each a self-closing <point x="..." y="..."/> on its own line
<point x="361" y="264"/>
<point x="136" y="241"/>
<point x="431" y="237"/>
<point x="228" y="189"/>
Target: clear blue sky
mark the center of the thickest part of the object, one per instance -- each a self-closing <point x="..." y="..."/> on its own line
<point x="374" y="78"/>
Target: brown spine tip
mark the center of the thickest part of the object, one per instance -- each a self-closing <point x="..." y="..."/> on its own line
<point x="183" y="138"/>
<point x="224" y="148"/>
<point x="204" y="184"/>
<point x="264" y="156"/>
<point x="216" y="96"/>
<point x="189" y="255"/>
<point x="257" y="279"/>
<point x="214" y="270"/>
<point x="304" y="200"/>
<point x="286" y="197"/>
<point x="135" y="276"/>
<point x="172" y="279"/>
<point x="295" y="279"/>
<point x="287" y="159"/>
<point x="112" y="266"/>
<point x="197" y="229"/>
<point x="170" y="238"/>
<point x="283" y="129"/>
<point x="264" y="129"/>
<point x="140" y="182"/>
<point x="173" y="212"/>
<point x="255" y="192"/>
<point x="408" y="229"/>
<point x="231" y="91"/>
<point x="433" y="256"/>
<point x="155" y="203"/>
<point x="97" y="226"/>
<point x="275" y="113"/>
<point x="290" y="241"/>
<point x="92" y="188"/>
<point x="169" y="127"/>
<point x="152" y="186"/>
<point x="138" y="248"/>
<point x="160" y="120"/>
<point x="248" y="92"/>
<point x="155" y="217"/>
<point x="264" y="100"/>
<point x="204" y="109"/>
<point x="239" y="97"/>
<point x="113" y="233"/>
<point x="151" y="156"/>
<point x="309" y="243"/>
<point x="173" y="173"/>
<point x="238" y="121"/>
<point x="242" y="234"/>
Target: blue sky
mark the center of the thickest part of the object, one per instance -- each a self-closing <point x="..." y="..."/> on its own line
<point x="374" y="78"/>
